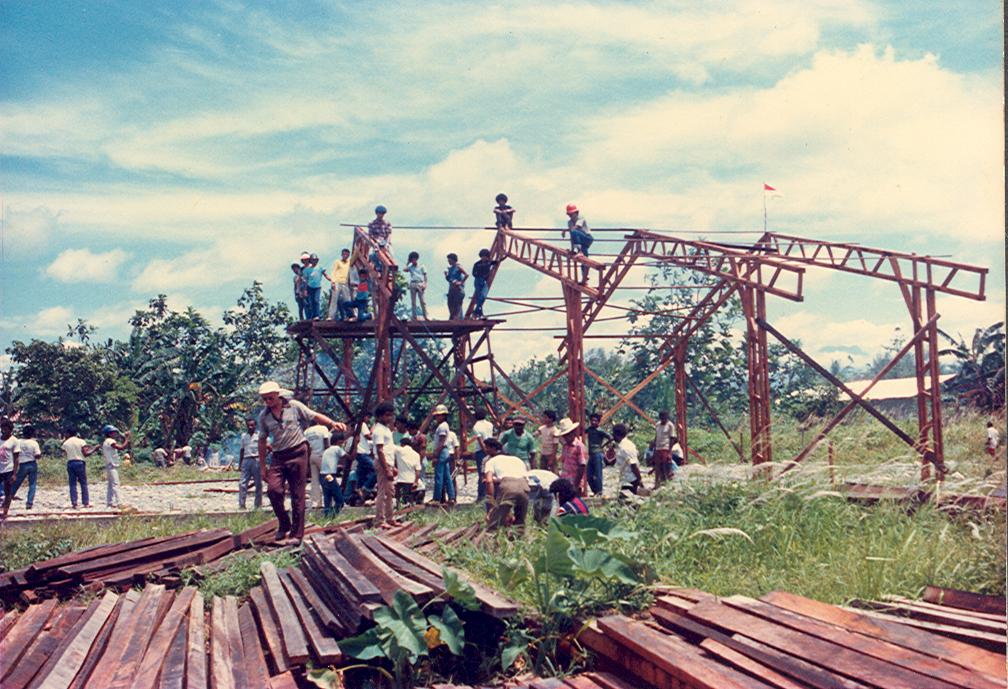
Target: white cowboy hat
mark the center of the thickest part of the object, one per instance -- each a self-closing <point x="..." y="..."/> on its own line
<point x="268" y="387"/>
<point x="565" y="426"/>
<point x="440" y="409"/>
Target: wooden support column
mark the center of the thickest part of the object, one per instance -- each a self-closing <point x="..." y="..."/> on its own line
<point x="930" y="442"/>
<point x="680" y="399"/>
<point x="937" y="436"/>
<point x="754" y="309"/>
<point x="575" y="355"/>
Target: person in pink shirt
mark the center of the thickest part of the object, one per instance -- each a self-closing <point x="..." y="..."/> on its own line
<point x="573" y="454"/>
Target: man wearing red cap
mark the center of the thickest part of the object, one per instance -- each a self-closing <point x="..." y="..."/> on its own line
<point x="580" y="236"/>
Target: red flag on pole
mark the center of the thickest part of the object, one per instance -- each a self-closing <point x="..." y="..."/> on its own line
<point x="767" y="187"/>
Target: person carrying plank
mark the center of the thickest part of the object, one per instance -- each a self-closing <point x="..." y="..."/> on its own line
<point x="280" y="424"/>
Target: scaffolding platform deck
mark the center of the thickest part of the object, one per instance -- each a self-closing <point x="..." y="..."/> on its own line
<point x="416" y="328"/>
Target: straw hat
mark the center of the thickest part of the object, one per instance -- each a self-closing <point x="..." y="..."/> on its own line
<point x="440" y="409"/>
<point x="564" y="427"/>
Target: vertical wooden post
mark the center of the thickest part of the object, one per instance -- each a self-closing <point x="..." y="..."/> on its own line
<point x="680" y="399"/>
<point x="832" y="468"/>
<point x="754" y="309"/>
<point x="575" y="356"/>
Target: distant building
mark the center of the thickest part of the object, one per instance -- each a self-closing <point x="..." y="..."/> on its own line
<point x="893" y="396"/>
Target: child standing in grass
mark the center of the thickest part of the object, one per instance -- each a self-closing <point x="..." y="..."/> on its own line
<point x="664" y="432"/>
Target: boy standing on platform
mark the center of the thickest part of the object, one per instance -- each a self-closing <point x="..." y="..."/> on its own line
<point x="481" y="281"/>
<point x="417" y="283"/>
<point x="456" y="277"/>
<point x="340" y="299"/>
<point x="384" y="456"/>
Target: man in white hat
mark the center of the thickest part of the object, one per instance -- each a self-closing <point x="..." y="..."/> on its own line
<point x="574" y="456"/>
<point x="280" y="421"/>
<point x="444" y="484"/>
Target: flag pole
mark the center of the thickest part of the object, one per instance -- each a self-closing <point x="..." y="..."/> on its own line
<point x="764" y="208"/>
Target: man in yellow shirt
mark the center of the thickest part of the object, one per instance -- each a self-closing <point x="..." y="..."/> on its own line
<point x="340" y="298"/>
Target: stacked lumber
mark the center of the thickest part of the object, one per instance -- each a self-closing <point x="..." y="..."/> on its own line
<point x="115" y="566"/>
<point x="871" y="494"/>
<point x="694" y="640"/>
<point x="969" y="617"/>
<point x="589" y="680"/>
<point x="430" y="537"/>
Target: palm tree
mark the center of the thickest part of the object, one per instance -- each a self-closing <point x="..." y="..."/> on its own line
<point x="979" y="380"/>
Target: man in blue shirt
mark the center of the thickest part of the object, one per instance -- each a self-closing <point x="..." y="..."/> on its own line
<point x="456" y="277"/>
<point x="312" y="275"/>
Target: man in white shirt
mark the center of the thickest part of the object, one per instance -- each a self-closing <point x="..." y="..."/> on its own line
<point x="28" y="464"/>
<point x="664" y="432"/>
<point x="444" y="484"/>
<point x="539" y="481"/>
<point x="407" y="473"/>
<point x="482" y="430"/>
<point x="160" y="457"/>
<point x="10" y="451"/>
<point x="365" y="464"/>
<point x="110" y="453"/>
<point x="624" y="456"/>
<point x="76" y="450"/>
<point x="317" y="436"/>
<point x="248" y="465"/>
<point x="385" y="467"/>
<point x="548" y="440"/>
<point x="506" y="483"/>
<point x="332" y="462"/>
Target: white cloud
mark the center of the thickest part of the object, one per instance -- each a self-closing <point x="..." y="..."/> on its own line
<point x="82" y="265"/>
<point x="49" y="322"/>
<point x="27" y="228"/>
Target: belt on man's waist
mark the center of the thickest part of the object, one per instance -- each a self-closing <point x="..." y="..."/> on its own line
<point x="289" y="452"/>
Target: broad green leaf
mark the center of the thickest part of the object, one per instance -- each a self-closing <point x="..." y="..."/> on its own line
<point x="598" y="564"/>
<point x="511" y="652"/>
<point x="513" y="571"/>
<point x="460" y="591"/>
<point x="364" y="646"/>
<point x="404" y="621"/>
<point x="450" y="628"/>
<point x="324" y="678"/>
<point x="588" y="529"/>
<point x="555" y="559"/>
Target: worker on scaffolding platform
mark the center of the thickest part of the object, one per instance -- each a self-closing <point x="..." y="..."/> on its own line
<point x="456" y="277"/>
<point x="380" y="232"/>
<point x="580" y="236"/>
<point x="481" y="281"/>
<point x="503" y="213"/>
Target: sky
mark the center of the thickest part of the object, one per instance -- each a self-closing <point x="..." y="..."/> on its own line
<point x="190" y="148"/>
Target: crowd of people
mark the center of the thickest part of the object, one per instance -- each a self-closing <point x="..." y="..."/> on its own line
<point x="351" y="279"/>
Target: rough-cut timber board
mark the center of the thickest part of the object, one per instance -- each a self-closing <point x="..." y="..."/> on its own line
<point x="147" y="618"/>
<point x="966" y="600"/>
<point x="283" y="681"/>
<point x="949" y="618"/>
<point x="7" y="621"/>
<point x="968" y="615"/>
<point x="154" y="657"/>
<point x="64" y="664"/>
<point x="963" y="654"/>
<point x="255" y="662"/>
<point x="236" y="648"/>
<point x="196" y="669"/>
<point x="832" y="656"/>
<point x="747" y="664"/>
<point x="38" y="571"/>
<point x="173" y="673"/>
<point x="385" y="578"/>
<point x="270" y="632"/>
<point x="405" y="567"/>
<point x="877" y="648"/>
<point x="44" y="645"/>
<point x="324" y="647"/>
<point x="492" y="603"/>
<point x="157" y="551"/>
<point x="801" y="671"/>
<point x="334" y="592"/>
<point x="326" y="616"/>
<point x="221" y="672"/>
<point x="113" y="631"/>
<point x="606" y="680"/>
<point x="290" y="631"/>
<point x="626" y="659"/>
<point x="22" y="634"/>
<point x="581" y="682"/>
<point x="673" y="655"/>
<point x="985" y="640"/>
<point x="363" y="588"/>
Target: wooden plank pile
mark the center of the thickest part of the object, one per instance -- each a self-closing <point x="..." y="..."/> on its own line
<point x="693" y="640"/>
<point x="962" y="615"/>
<point x="343" y="578"/>
<point x="589" y="680"/>
<point x="871" y="494"/>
